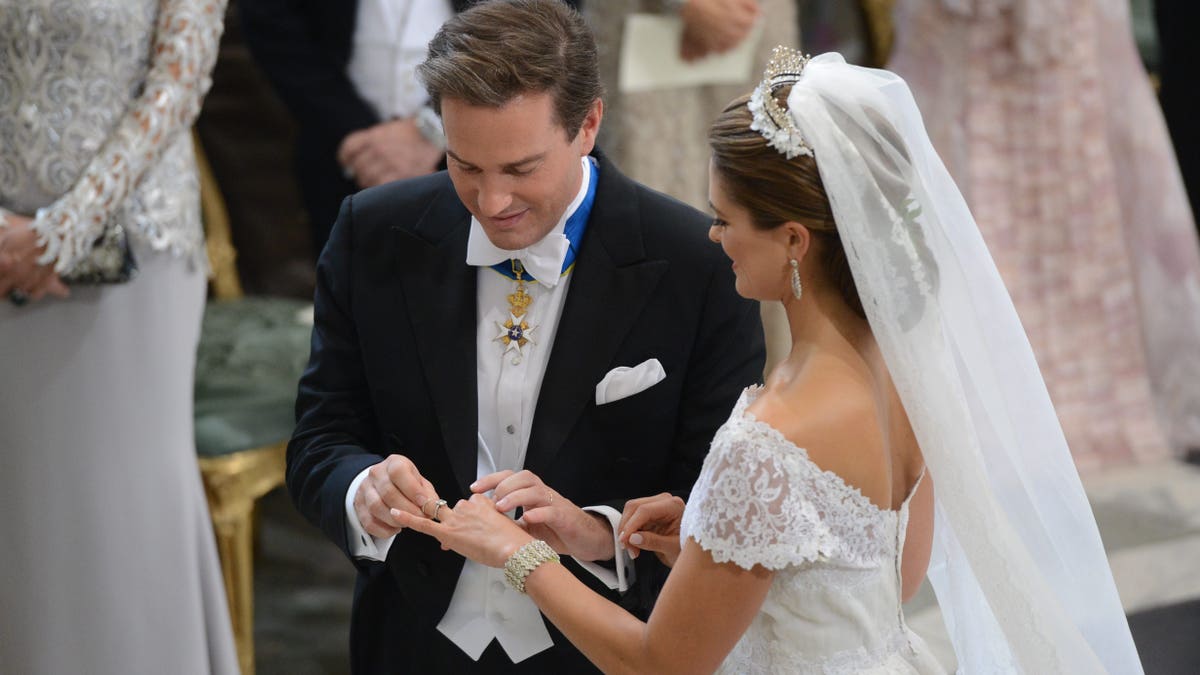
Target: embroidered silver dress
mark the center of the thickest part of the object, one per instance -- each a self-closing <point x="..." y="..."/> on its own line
<point x="834" y="605"/>
<point x="107" y="558"/>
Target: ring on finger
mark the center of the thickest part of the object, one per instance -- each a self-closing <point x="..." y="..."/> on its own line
<point x="424" y="503"/>
<point x="437" y="507"/>
<point x="551" y="502"/>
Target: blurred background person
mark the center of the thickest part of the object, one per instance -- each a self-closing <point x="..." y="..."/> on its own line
<point x="659" y="137"/>
<point x="347" y="73"/>
<point x="1045" y="116"/>
<point x="1178" y="53"/>
<point x="108" y="563"/>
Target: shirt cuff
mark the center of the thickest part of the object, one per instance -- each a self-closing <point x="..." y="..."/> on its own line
<point x="361" y="544"/>
<point x="623" y="575"/>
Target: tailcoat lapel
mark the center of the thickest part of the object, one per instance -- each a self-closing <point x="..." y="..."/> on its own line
<point x="439" y="295"/>
<point x="612" y="282"/>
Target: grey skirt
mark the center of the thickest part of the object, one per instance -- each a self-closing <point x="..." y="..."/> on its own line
<point x="107" y="557"/>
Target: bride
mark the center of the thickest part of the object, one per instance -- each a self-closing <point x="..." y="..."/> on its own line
<point x="815" y="514"/>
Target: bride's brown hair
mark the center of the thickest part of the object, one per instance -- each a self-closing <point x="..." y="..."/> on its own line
<point x="775" y="190"/>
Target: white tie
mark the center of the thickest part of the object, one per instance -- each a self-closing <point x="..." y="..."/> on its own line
<point x="543" y="259"/>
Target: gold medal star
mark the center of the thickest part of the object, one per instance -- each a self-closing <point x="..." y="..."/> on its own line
<point x="515" y="333"/>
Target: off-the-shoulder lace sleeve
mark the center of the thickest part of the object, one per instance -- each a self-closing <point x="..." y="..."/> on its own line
<point x="760" y="500"/>
<point x="183" y="53"/>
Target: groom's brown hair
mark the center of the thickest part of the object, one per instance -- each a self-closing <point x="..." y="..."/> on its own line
<point x="498" y="50"/>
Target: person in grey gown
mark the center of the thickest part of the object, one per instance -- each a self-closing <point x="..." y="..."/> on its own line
<point x="107" y="557"/>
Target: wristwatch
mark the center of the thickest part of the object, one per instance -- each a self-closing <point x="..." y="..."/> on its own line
<point x="430" y="126"/>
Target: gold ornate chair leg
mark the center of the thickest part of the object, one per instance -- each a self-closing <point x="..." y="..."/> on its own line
<point x="233" y="483"/>
<point x="234" y="542"/>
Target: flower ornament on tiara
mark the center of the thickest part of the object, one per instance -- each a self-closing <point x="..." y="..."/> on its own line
<point x="770" y="119"/>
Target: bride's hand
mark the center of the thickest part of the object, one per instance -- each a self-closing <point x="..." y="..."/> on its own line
<point x="652" y="524"/>
<point x="473" y="528"/>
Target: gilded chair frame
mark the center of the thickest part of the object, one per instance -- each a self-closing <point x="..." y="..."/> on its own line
<point x="233" y="483"/>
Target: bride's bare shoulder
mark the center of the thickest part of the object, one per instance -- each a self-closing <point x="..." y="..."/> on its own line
<point x="834" y="417"/>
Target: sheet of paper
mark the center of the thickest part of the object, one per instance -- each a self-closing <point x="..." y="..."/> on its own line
<point x="650" y="57"/>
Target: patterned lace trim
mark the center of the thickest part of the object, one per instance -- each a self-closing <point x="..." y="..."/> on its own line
<point x="760" y="500"/>
<point x="181" y="56"/>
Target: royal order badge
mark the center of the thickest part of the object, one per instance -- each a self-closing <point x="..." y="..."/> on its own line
<point x="516" y="332"/>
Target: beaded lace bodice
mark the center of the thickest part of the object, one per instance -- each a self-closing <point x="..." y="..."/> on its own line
<point x="97" y="98"/>
<point x="834" y="604"/>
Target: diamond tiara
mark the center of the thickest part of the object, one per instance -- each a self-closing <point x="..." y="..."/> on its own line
<point x="770" y="119"/>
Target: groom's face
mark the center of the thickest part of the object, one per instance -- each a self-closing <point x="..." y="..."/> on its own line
<point x="514" y="167"/>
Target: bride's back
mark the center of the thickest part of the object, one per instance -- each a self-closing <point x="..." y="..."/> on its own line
<point x="840" y="406"/>
<point x="816" y="477"/>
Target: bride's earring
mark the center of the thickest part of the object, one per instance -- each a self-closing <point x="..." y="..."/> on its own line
<point x="797" y="289"/>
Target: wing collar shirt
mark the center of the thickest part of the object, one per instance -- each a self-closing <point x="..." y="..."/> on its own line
<point x="483" y="607"/>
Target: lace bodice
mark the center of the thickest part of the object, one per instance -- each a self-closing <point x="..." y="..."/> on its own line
<point x="96" y="101"/>
<point x="834" y="604"/>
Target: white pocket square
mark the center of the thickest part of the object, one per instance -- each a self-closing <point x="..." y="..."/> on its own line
<point x="623" y="382"/>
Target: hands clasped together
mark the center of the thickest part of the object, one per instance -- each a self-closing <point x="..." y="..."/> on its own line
<point x="388" y="151"/>
<point x="21" y="277"/>
<point x="395" y="495"/>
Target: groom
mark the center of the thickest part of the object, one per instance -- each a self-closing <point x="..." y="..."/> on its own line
<point x="529" y="322"/>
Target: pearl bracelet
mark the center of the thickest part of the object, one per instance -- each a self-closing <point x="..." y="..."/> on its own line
<point x="526" y="559"/>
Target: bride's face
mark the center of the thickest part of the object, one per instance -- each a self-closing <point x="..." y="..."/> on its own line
<point x="760" y="257"/>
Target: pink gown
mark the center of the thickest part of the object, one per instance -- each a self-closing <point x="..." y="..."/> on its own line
<point x="1045" y="117"/>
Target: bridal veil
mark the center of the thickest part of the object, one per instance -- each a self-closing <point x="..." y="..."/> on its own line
<point x="1018" y="566"/>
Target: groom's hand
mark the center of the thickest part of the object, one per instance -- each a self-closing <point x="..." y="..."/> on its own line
<point x="550" y="516"/>
<point x="393" y="483"/>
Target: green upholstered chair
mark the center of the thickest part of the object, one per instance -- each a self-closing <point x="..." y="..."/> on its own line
<point x="252" y="351"/>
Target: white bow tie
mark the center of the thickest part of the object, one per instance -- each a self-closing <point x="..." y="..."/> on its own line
<point x="543" y="259"/>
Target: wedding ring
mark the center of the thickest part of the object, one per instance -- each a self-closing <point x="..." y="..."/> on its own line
<point x="425" y="503"/>
<point x="551" y="497"/>
<point x="436" y="508"/>
<point x="18" y="297"/>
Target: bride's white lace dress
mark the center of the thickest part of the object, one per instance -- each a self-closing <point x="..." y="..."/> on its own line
<point x="834" y="604"/>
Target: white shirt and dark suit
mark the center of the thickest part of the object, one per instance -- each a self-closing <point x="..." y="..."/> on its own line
<point x="403" y="323"/>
